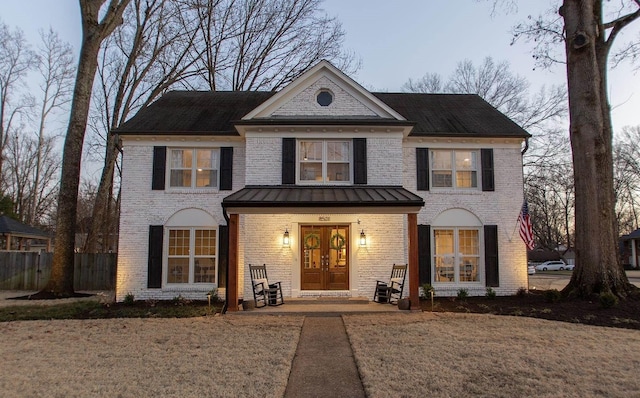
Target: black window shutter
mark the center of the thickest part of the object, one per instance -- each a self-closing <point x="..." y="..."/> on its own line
<point x="223" y="254"/>
<point x="360" y="161"/>
<point x="424" y="253"/>
<point x="154" y="275"/>
<point x="491" y="255"/>
<point x="226" y="168"/>
<point x="486" y="160"/>
<point x="288" y="160"/>
<point x="159" y="167"/>
<point x="422" y="168"/>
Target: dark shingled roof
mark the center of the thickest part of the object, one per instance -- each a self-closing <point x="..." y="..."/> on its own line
<point x="194" y="112"/>
<point x="451" y="115"/>
<point x="325" y="196"/>
<point x="216" y="112"/>
<point x="10" y="226"/>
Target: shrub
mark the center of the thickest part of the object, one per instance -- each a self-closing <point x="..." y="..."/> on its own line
<point x="463" y="294"/>
<point x="426" y="291"/>
<point x="608" y="300"/>
<point x="179" y="300"/>
<point x="522" y="291"/>
<point x="491" y="294"/>
<point x="552" y="295"/>
<point x="214" y="295"/>
<point x="129" y="299"/>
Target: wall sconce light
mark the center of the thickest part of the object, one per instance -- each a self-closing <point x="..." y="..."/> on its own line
<point x="285" y="238"/>
<point x="363" y="239"/>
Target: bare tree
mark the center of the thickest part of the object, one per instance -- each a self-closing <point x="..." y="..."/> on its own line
<point x="165" y="44"/>
<point x="626" y="167"/>
<point x="551" y="200"/>
<point x="56" y="70"/>
<point x="26" y="157"/>
<point x="429" y="83"/>
<point x="150" y="52"/>
<point x="264" y="44"/>
<point x="497" y="85"/>
<point x="97" y="24"/>
<point x="16" y="59"/>
<point x="588" y="40"/>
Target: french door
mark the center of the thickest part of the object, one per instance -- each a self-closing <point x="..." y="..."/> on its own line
<point x="324" y="257"/>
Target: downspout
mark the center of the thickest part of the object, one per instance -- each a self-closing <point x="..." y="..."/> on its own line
<point x="526" y="147"/>
<point x="226" y="274"/>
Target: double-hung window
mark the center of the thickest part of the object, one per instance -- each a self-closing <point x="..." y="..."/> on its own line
<point x="193" y="168"/>
<point x="456" y="255"/>
<point x="454" y="168"/>
<point x="324" y="161"/>
<point x="191" y="256"/>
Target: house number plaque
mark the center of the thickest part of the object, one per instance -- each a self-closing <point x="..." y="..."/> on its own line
<point x="324" y="218"/>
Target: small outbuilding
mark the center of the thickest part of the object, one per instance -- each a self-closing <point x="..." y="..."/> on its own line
<point x="15" y="235"/>
<point x="630" y="249"/>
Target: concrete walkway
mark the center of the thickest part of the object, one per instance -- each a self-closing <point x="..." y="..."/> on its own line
<point x="324" y="365"/>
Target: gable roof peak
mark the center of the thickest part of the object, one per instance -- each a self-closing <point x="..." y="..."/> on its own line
<point x="324" y="70"/>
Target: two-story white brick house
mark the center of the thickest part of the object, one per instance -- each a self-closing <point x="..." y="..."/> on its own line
<point x="357" y="181"/>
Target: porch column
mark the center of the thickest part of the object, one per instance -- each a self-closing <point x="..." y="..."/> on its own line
<point x="414" y="278"/>
<point x="232" y="272"/>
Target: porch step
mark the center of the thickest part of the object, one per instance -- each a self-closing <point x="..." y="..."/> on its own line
<point x="326" y="300"/>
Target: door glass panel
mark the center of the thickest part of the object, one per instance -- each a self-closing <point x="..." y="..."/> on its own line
<point x="338" y="248"/>
<point x="312" y="246"/>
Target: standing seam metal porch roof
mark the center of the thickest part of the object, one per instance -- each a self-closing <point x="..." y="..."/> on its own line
<point x="322" y="196"/>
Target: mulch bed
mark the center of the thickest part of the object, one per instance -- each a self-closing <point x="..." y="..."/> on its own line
<point x="625" y="314"/>
<point x="44" y="295"/>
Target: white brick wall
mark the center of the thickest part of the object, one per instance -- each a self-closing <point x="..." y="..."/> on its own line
<point x="500" y="208"/>
<point x="264" y="160"/>
<point x="261" y="235"/>
<point x="386" y="245"/>
<point x="304" y="104"/>
<point x="142" y="207"/>
<point x="383" y="160"/>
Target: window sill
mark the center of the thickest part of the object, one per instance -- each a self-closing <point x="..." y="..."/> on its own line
<point x="448" y="191"/>
<point x="191" y="190"/>
<point x="188" y="287"/>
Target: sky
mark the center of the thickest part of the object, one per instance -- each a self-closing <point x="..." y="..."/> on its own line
<point x="397" y="40"/>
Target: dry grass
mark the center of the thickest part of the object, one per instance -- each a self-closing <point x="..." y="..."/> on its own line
<point x="458" y="355"/>
<point x="212" y="356"/>
<point x="403" y="355"/>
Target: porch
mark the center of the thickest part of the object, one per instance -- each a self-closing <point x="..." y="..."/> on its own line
<point x="323" y="250"/>
<point x="321" y="306"/>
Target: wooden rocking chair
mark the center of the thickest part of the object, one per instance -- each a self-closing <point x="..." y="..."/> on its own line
<point x="390" y="292"/>
<point x="264" y="293"/>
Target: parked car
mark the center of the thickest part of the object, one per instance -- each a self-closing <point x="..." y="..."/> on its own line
<point x="531" y="269"/>
<point x="570" y="267"/>
<point x="556" y="265"/>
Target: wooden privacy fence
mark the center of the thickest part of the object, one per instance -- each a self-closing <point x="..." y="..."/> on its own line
<point x="31" y="271"/>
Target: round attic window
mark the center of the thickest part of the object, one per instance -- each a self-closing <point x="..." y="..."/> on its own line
<point x="324" y="98"/>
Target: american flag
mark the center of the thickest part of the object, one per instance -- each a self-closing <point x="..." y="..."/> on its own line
<point x="526" y="231"/>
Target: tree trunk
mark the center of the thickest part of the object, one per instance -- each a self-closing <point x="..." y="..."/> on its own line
<point x="100" y="214"/>
<point x="93" y="33"/>
<point x="598" y="267"/>
<point x="61" y="281"/>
